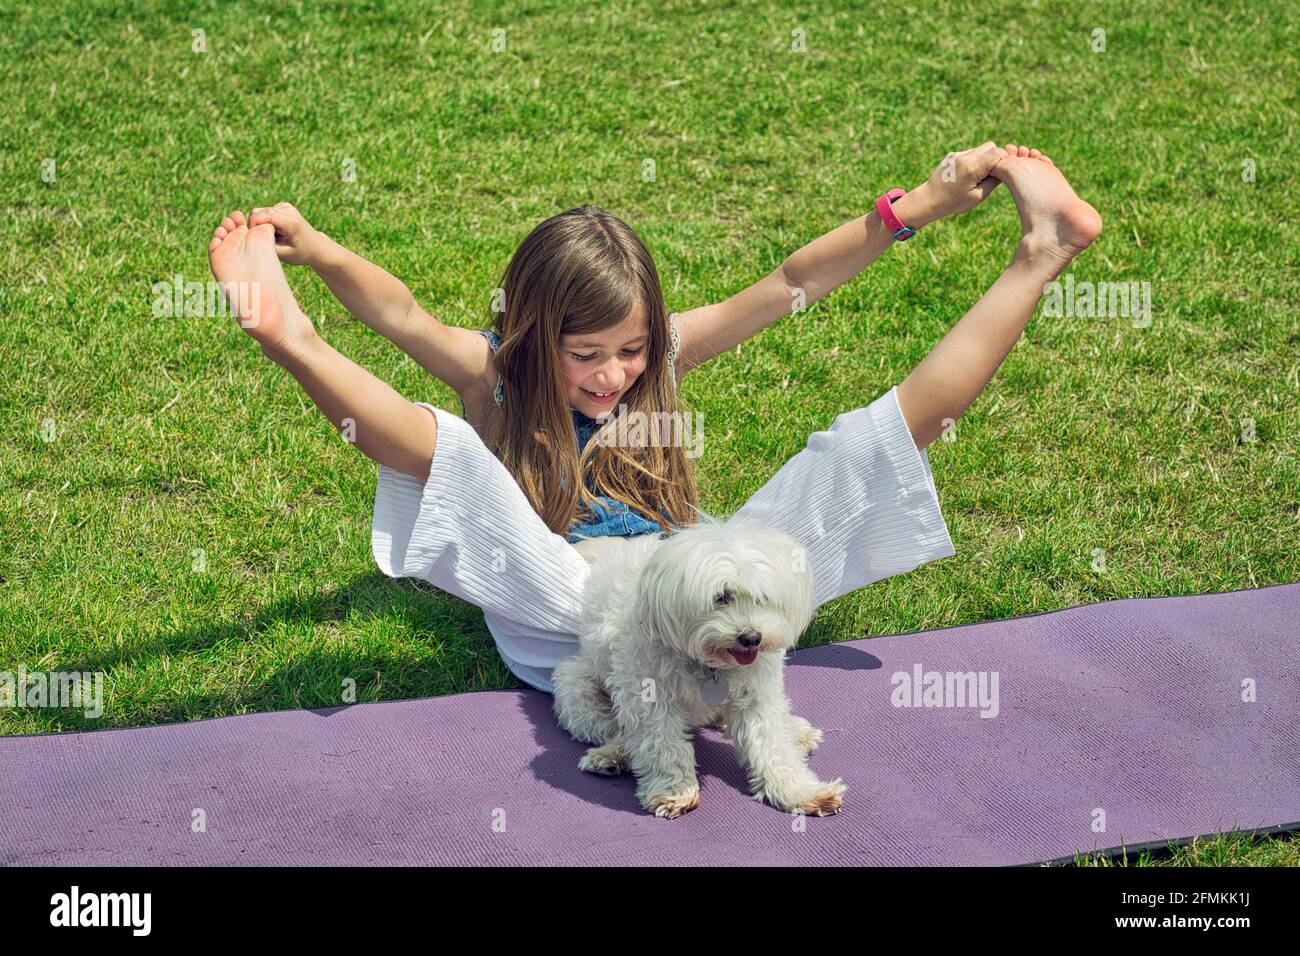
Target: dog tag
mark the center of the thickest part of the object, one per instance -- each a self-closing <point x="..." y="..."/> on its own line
<point x="714" y="691"/>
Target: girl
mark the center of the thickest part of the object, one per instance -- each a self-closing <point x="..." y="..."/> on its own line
<point x="481" y="504"/>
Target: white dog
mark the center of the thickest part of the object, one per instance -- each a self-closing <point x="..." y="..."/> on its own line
<point x="688" y="631"/>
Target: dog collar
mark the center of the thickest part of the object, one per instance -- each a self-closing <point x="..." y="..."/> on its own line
<point x="714" y="690"/>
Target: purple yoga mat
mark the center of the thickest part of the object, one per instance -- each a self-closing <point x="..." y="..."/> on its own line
<point x="1131" y="709"/>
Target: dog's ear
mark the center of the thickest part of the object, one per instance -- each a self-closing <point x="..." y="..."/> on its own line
<point x="649" y="601"/>
<point x="798" y="572"/>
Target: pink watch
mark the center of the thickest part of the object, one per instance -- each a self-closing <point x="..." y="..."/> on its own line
<point x="885" y="207"/>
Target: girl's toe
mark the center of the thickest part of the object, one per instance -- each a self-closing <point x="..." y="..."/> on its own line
<point x="1010" y="148"/>
<point x="214" y="245"/>
<point x="1034" y="154"/>
<point x="1024" y="151"/>
<point x="238" y="217"/>
<point x="220" y="233"/>
<point x="227" y="224"/>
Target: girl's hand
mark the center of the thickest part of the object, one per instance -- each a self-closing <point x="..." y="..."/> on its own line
<point x="959" y="184"/>
<point x="296" y="242"/>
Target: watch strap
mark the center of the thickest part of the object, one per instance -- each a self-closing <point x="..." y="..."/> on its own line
<point x="885" y="208"/>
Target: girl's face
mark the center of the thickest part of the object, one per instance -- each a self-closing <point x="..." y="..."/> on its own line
<point x="609" y="361"/>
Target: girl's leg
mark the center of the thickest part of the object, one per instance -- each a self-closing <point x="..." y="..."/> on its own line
<point x="446" y="509"/>
<point x="470" y="530"/>
<point x="386" y="427"/>
<point x="860" y="496"/>
<point x="1057" y="225"/>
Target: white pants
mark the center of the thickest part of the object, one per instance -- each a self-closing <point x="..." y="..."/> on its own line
<point x="860" y="497"/>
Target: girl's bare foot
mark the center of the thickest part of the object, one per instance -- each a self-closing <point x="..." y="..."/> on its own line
<point x="244" y="261"/>
<point x="1056" y="224"/>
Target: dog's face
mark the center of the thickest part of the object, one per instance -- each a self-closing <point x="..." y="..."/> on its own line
<point x="724" y="593"/>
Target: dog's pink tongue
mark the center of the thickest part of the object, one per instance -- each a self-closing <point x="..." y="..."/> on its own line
<point x="744" y="657"/>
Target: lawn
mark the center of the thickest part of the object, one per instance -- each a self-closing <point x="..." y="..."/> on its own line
<point x="179" y="516"/>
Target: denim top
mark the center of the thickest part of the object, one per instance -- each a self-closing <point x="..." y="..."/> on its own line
<point x="610" y="517"/>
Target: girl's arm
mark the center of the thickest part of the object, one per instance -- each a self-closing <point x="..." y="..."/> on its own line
<point x="372" y="294"/>
<point x="960" y="183"/>
<point x="459" y="357"/>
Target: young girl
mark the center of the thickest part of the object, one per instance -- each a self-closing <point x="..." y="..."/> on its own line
<point x="482" y="504"/>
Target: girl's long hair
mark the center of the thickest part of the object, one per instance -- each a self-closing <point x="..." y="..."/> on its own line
<point x="579" y="272"/>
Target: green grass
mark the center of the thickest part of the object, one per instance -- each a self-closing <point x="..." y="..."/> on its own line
<point x="175" y="435"/>
<point x="1221" y="849"/>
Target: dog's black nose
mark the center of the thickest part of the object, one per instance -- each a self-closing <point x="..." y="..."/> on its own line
<point x="750" y="639"/>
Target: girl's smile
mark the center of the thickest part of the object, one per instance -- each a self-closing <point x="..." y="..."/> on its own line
<point x="609" y="399"/>
<point x="610" y="362"/>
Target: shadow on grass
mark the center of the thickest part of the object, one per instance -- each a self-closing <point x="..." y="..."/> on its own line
<point x="466" y="659"/>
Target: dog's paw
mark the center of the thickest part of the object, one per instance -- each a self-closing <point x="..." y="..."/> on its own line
<point x="672" y="804"/>
<point x="816" y="798"/>
<point x="608" y="759"/>
<point x="828" y="798"/>
<point x="805" y="736"/>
